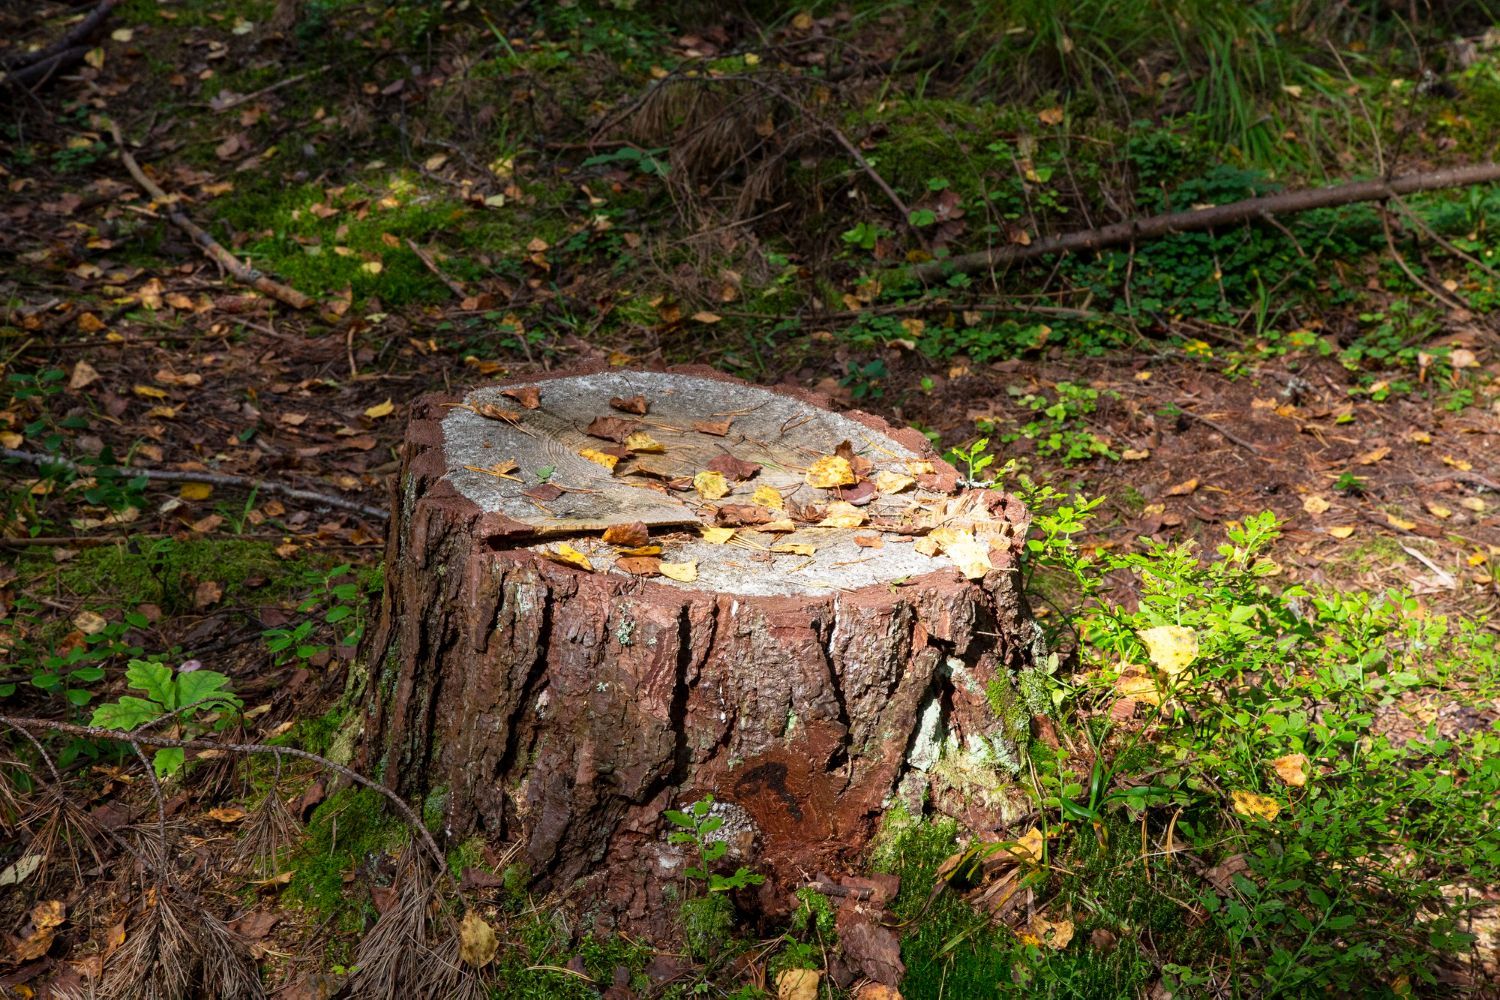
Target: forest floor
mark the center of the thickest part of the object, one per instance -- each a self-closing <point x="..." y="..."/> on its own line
<point x="471" y="190"/>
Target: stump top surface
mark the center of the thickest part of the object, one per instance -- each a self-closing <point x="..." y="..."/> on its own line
<point x="501" y="442"/>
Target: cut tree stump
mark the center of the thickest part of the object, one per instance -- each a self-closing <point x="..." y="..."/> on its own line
<point x="580" y="632"/>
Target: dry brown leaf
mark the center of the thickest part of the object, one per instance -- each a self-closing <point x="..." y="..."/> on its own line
<point x="733" y="468"/>
<point x="226" y="814"/>
<point x="83" y="375"/>
<point x="632" y="534"/>
<point x="617" y="429"/>
<point x="1291" y="769"/>
<point x="1373" y="455"/>
<point x="639" y="565"/>
<point x="631" y="404"/>
<point x="718" y="428"/>
<point x="529" y="396"/>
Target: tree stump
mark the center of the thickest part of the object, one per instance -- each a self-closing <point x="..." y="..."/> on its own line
<point x="611" y="593"/>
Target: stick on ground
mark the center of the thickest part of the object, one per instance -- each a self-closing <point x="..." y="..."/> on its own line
<point x="210" y="246"/>
<point x="1156" y="226"/>
<point x="213" y="478"/>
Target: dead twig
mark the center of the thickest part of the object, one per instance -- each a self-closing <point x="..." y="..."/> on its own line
<point x="239" y="99"/>
<point x="1222" y="431"/>
<point x="1196" y="220"/>
<point x="879" y="181"/>
<point x="210" y="246"/>
<point x="213" y="478"/>
<point x="426" y="258"/>
<point x="74" y="39"/>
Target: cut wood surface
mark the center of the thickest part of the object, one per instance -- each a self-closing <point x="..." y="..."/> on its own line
<point x="580" y="632"/>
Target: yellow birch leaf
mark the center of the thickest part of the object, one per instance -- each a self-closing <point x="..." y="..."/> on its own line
<point x="477" y="944"/>
<point x="685" y="572"/>
<point x="1399" y="522"/>
<point x="711" y="485"/>
<point x="1373" y="455"/>
<point x="795" y="548"/>
<point x="599" y="457"/>
<point x="149" y="391"/>
<point x="1171" y="647"/>
<point x="1341" y="530"/>
<point x="969" y="554"/>
<point x="196" y="491"/>
<point x="644" y="443"/>
<point x="381" y="410"/>
<point x="1291" y="769"/>
<point x="887" y="481"/>
<point x="797" y="984"/>
<point x="1028" y="846"/>
<point x="842" y="514"/>
<point x="717" y="536"/>
<point x="1438" y="511"/>
<point x="565" y="553"/>
<point x="1054" y="934"/>
<point x="1315" y="504"/>
<point x="768" y="497"/>
<point x="779" y="527"/>
<point x="1254" y="806"/>
<point x="830" y="471"/>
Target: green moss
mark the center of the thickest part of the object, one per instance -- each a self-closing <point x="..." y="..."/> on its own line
<point x="707" y="924"/>
<point x="541" y="943"/>
<point x="345" y="831"/>
<point x="469" y="854"/>
<point x="160" y="571"/>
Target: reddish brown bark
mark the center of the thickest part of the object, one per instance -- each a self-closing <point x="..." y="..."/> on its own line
<point x="568" y="709"/>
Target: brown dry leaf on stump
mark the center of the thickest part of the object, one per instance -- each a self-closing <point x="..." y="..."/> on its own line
<point x="633" y="534"/>
<point x="631" y="404"/>
<point x="529" y="396"/>
<point x="617" y="429"/>
<point x="718" y="428"/>
<point x="733" y="468"/>
<point x="639" y="565"/>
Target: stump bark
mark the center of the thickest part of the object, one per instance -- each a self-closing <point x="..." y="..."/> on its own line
<point x="843" y="629"/>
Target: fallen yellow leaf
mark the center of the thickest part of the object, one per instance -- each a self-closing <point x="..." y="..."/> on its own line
<point x="1438" y="511"/>
<point x="196" y="491"/>
<point x="887" y="481"/>
<point x="565" y="553"/>
<point x="768" y="497"/>
<point x="600" y="458"/>
<point x="830" y="471"/>
<point x="1399" y="522"/>
<point x="1341" y="530"/>
<point x="716" y="536"/>
<point x="1315" y="504"/>
<point x="685" y="572"/>
<point x="711" y="485"/>
<point x="381" y="410"/>
<point x="1171" y="647"/>
<point x="644" y="443"/>
<point x="149" y="391"/>
<point x="477" y="943"/>
<point x="797" y="984"/>
<point x="1254" y="806"/>
<point x="1049" y="933"/>
<point x="795" y="548"/>
<point x="1373" y="455"/>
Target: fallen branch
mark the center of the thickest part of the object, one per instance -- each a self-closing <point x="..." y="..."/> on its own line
<point x="1196" y="220"/>
<point x="74" y="38"/>
<point x="210" y="246"/>
<point x="426" y="258"/>
<point x="213" y="478"/>
<point x="33" y="76"/>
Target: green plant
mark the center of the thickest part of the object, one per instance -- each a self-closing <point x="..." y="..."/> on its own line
<point x="195" y="700"/>
<point x="696" y="828"/>
<point x="71" y="666"/>
<point x="335" y="613"/>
